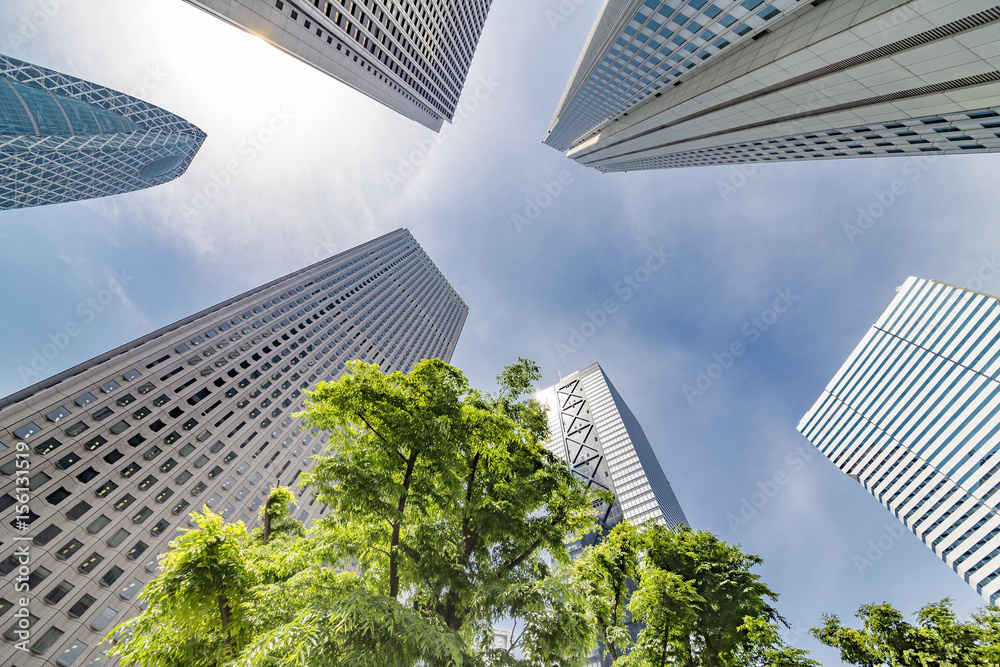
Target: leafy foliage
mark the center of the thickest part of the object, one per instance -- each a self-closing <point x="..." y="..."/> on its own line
<point x="938" y="638"/>
<point x="446" y="514"/>
<point x="700" y="603"/>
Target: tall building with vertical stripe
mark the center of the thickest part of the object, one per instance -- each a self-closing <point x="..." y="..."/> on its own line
<point x="680" y="83"/>
<point x="412" y="56"/>
<point x="64" y="139"/>
<point x="100" y="465"/>
<point x="914" y="416"/>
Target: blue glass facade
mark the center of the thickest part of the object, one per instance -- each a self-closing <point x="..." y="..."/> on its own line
<point x="64" y="139"/>
<point x="914" y="416"/>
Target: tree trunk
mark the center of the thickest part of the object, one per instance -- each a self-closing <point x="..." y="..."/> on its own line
<point x="394" y="541"/>
<point x="267" y="519"/>
<point x="224" y="613"/>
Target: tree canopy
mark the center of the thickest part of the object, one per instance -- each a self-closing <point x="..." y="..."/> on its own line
<point x="446" y="514"/>
<point x="887" y="639"/>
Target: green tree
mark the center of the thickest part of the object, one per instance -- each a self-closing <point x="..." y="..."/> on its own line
<point x="446" y="513"/>
<point x="444" y="494"/>
<point x="196" y="615"/>
<point x="938" y="638"/>
<point x="607" y="571"/>
<point x="701" y="604"/>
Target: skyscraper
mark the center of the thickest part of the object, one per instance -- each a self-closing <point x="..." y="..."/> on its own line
<point x="679" y="83"/>
<point x="912" y="415"/>
<point x="411" y="56"/>
<point x="64" y="139"/>
<point x="593" y="430"/>
<point x="115" y="453"/>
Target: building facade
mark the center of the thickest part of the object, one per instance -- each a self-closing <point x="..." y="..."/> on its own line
<point x="680" y="83"/>
<point x="593" y="430"/>
<point x="112" y="455"/>
<point x="64" y="139"/>
<point x="913" y="415"/>
<point x="411" y="56"/>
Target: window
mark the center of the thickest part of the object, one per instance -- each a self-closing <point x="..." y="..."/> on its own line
<point x="119" y="427"/>
<point x="46" y="641"/>
<point x="57" y="496"/>
<point x="78" y="510"/>
<point x="111" y="576"/>
<point x="105" y="489"/>
<point x="87" y="566"/>
<point x="94" y="443"/>
<point x="47" y="446"/>
<point x="71" y="653"/>
<point x="124" y="502"/>
<point x="68" y="460"/>
<point x="44" y="537"/>
<point x="101" y="620"/>
<point x="69" y="549"/>
<point x="124" y="400"/>
<point x="81" y="606"/>
<point x="59" y="592"/>
<point x="159" y="527"/>
<point x="98" y="524"/>
<point x="118" y="537"/>
<point x="142" y="515"/>
<point x="102" y="413"/>
<point x="87" y="475"/>
<point x="137" y="550"/>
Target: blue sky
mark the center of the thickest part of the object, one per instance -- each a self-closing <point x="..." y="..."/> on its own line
<point x="332" y="169"/>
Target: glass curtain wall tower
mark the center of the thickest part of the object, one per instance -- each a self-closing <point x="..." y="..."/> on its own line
<point x="114" y="454"/>
<point x="64" y="139"/>
<point x="680" y="83"/>
<point x="411" y="56"/>
<point x="913" y="415"/>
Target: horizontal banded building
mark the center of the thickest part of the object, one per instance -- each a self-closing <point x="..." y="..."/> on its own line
<point x="100" y="465"/>
<point x="682" y="83"/>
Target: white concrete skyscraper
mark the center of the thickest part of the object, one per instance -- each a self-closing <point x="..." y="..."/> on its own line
<point x="412" y="56"/>
<point x="593" y="430"/>
<point x="101" y="464"/>
<point x="914" y="416"/>
<point x="679" y="83"/>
